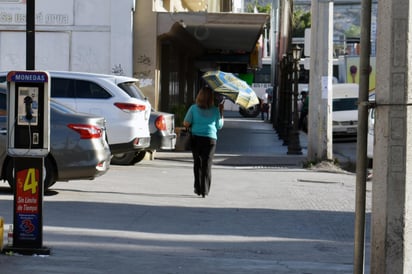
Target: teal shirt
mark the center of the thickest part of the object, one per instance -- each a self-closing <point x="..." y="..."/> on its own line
<point x="204" y="122"/>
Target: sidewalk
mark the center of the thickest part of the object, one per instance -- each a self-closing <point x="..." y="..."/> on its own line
<point x="262" y="216"/>
<point x="253" y="142"/>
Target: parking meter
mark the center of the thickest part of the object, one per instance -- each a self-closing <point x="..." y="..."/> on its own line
<point x="29" y="112"/>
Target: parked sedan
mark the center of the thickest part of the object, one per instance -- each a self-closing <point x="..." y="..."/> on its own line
<point x="162" y="135"/>
<point x="162" y="131"/>
<point x="78" y="145"/>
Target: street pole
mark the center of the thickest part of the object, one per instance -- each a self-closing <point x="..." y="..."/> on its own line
<point x="278" y="124"/>
<point x="320" y="82"/>
<point x="283" y="100"/>
<point x="287" y="121"/>
<point x="30" y="35"/>
<point x="294" y="142"/>
<point x="274" y="79"/>
<point x="362" y="139"/>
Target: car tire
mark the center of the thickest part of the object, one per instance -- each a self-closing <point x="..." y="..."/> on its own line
<point x="49" y="169"/>
<point x="251" y="112"/>
<point x="124" y="159"/>
<point x="140" y="156"/>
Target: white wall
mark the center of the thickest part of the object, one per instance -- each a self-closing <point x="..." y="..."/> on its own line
<point x="78" y="35"/>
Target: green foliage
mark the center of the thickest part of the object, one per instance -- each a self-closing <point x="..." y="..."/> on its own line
<point x="179" y="111"/>
<point x="353" y="31"/>
<point x="301" y="20"/>
<point x="266" y="8"/>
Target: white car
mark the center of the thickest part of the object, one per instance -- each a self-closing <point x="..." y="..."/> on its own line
<point x="345" y="110"/>
<point x="112" y="97"/>
<point x="371" y="128"/>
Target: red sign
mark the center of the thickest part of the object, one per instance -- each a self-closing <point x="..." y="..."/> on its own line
<point x="27" y="184"/>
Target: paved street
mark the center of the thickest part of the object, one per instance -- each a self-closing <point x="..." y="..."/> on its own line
<point x="264" y="214"/>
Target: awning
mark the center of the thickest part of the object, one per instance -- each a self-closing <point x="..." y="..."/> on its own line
<point x="223" y="33"/>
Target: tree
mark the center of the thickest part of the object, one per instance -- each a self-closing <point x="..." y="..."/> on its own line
<point x="353" y="31"/>
<point x="260" y="8"/>
<point x="301" y="20"/>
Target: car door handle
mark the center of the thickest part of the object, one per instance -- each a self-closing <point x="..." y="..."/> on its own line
<point x="3" y="131"/>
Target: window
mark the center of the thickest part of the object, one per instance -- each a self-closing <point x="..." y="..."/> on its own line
<point x="3" y="103"/>
<point x="263" y="75"/>
<point x="133" y="91"/>
<point x="86" y="89"/>
<point x="62" y="88"/>
<point x="345" y="104"/>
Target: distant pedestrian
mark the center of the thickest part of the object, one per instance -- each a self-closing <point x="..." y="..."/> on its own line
<point x="304" y="111"/>
<point x="205" y="119"/>
<point x="264" y="106"/>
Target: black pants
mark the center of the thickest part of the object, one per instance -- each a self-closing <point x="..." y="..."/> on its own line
<point x="264" y="109"/>
<point x="203" y="150"/>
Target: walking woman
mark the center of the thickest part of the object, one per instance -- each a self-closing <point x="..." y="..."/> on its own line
<point x="204" y="119"/>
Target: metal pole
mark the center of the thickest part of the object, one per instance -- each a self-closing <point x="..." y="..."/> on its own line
<point x="30" y="32"/>
<point x="280" y="90"/>
<point x="274" y="79"/>
<point x="294" y="142"/>
<point x="362" y="141"/>
<point x="287" y="116"/>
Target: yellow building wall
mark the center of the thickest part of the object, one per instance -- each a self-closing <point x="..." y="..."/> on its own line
<point x="145" y="50"/>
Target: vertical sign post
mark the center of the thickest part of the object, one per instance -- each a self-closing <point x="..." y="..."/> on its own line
<point x="30" y="34"/>
<point x="28" y="145"/>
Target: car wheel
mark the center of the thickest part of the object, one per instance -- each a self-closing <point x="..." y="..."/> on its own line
<point x="140" y="156"/>
<point x="127" y="158"/>
<point x="251" y="112"/>
<point x="48" y="168"/>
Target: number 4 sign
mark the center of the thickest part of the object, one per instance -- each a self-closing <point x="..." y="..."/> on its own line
<point x="28" y="206"/>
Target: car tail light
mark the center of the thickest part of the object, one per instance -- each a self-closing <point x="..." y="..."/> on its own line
<point x="127" y="107"/>
<point x="160" y="123"/>
<point x="102" y="166"/>
<point x="87" y="131"/>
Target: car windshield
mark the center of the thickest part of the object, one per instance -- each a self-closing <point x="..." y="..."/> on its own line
<point x="343" y="104"/>
<point x="131" y="89"/>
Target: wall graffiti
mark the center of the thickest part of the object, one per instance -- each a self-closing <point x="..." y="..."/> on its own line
<point x="118" y="70"/>
<point x="144" y="59"/>
<point x="145" y="82"/>
<point x="144" y="75"/>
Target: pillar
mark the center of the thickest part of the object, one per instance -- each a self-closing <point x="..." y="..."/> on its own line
<point x="391" y="240"/>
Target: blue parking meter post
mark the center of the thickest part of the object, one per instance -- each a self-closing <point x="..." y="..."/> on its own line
<point x="28" y="145"/>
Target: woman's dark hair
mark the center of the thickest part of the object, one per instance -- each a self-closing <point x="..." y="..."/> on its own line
<point x="205" y="98"/>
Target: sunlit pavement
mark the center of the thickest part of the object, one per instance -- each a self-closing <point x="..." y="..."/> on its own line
<point x="258" y="218"/>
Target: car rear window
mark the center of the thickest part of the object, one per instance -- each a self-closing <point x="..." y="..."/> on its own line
<point x="132" y="90"/>
<point x="3" y="102"/>
<point x="90" y="90"/>
<point x="70" y="88"/>
<point x="343" y="104"/>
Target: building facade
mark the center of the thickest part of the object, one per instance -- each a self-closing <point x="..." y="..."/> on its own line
<point x="165" y="44"/>
<point x="176" y="41"/>
<point x="70" y="35"/>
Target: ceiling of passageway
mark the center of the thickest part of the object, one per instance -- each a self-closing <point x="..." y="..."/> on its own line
<point x="226" y="38"/>
<point x="224" y="32"/>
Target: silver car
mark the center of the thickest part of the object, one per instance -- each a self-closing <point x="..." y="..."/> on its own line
<point x="162" y="134"/>
<point x="78" y="145"/>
